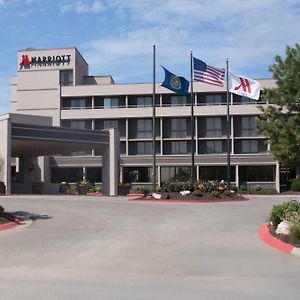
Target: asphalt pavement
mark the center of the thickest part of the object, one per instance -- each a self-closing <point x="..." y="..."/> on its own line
<point x="94" y="247"/>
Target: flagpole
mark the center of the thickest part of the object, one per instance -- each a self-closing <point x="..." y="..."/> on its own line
<point x="153" y="124"/>
<point x="192" y="121"/>
<point x="228" y="127"/>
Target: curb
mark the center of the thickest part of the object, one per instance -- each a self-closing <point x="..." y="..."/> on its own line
<point x="187" y="201"/>
<point x="13" y="225"/>
<point x="269" y="239"/>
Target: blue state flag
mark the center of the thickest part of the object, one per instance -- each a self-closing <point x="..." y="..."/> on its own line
<point x="177" y="84"/>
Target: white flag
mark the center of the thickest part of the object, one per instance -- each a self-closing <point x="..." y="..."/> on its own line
<point x="243" y="86"/>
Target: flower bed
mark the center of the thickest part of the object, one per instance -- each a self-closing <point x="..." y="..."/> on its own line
<point x="285" y="222"/>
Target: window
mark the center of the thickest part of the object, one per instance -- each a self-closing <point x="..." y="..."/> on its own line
<point x="178" y="100"/>
<point x="213" y="99"/>
<point x="77" y="124"/>
<point x="257" y="173"/>
<point x="110" y="103"/>
<point x="94" y="174"/>
<point x="66" y="77"/>
<point x="110" y="124"/>
<point x="144" y="148"/>
<point x="243" y="100"/>
<point x="73" y="103"/>
<point x="175" y="173"/>
<point x="60" y="174"/>
<point x="179" y="147"/>
<point x="144" y="128"/>
<point x="248" y="126"/>
<point x="249" y="146"/>
<point x="216" y="173"/>
<point x="178" y="128"/>
<point x="214" y="147"/>
<point x="137" y="174"/>
<point x="213" y="127"/>
<point x="144" y="101"/>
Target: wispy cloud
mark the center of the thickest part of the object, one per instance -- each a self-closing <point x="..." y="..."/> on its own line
<point x="81" y="6"/>
<point x="249" y="33"/>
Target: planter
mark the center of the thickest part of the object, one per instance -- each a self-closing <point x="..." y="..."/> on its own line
<point x="123" y="190"/>
<point x="37" y="187"/>
<point x="82" y="190"/>
<point x="2" y="188"/>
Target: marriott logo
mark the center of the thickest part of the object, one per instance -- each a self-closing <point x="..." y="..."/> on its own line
<point x="41" y="61"/>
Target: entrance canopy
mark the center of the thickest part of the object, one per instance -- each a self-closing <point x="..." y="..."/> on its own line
<point x="33" y="140"/>
<point x="27" y="136"/>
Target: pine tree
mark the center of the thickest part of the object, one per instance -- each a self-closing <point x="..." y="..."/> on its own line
<point x="280" y="120"/>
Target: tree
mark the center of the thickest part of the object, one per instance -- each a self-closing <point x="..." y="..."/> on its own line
<point x="280" y="120"/>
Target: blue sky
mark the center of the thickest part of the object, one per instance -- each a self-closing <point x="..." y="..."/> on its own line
<point x="116" y="36"/>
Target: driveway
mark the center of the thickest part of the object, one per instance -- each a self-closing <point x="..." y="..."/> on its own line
<point x="82" y="247"/>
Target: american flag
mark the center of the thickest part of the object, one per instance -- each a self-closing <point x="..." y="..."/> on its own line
<point x="208" y="74"/>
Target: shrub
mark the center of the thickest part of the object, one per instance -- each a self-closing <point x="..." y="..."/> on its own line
<point x="243" y="189"/>
<point x="234" y="188"/>
<point x="144" y="190"/>
<point x="295" y="230"/>
<point x="189" y="186"/>
<point x="282" y="211"/>
<point x="197" y="193"/>
<point x="295" y="186"/>
<point x="228" y="193"/>
<point x="173" y="187"/>
<point x="215" y="194"/>
<point x="72" y="191"/>
<point x="264" y="192"/>
<point x="157" y="189"/>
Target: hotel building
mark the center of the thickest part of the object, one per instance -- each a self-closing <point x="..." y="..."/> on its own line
<point x="56" y="83"/>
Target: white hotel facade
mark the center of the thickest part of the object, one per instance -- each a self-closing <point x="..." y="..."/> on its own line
<point x="56" y="83"/>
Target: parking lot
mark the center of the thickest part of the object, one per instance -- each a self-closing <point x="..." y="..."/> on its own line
<point x="82" y="247"/>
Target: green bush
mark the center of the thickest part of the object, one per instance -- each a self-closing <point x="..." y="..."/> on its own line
<point x="282" y="211"/>
<point x="144" y="190"/>
<point x="215" y="194"/>
<point x="264" y="192"/>
<point x="157" y="189"/>
<point x="234" y="188"/>
<point x="295" y="230"/>
<point x="228" y="193"/>
<point x="189" y="186"/>
<point x="197" y="193"/>
<point x="173" y="186"/>
<point x="243" y="189"/>
<point x="295" y="186"/>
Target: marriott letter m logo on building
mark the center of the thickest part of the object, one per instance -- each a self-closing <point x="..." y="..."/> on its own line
<point x="25" y="62"/>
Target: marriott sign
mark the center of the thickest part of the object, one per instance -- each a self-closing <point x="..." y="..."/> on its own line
<point x="26" y="62"/>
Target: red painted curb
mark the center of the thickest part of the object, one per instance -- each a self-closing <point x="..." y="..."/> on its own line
<point x="268" y="238"/>
<point x="7" y="226"/>
<point x="186" y="201"/>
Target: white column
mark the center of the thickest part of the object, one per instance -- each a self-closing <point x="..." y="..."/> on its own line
<point x="237" y="179"/>
<point x="93" y="102"/>
<point x="196" y="135"/>
<point x="111" y="164"/>
<point x="5" y="151"/>
<point x="232" y="135"/>
<point x="277" y="179"/>
<point x="158" y="176"/>
<point x="127" y="136"/>
<point x="161" y="136"/>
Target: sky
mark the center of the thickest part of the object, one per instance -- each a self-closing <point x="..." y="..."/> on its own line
<point x="116" y="37"/>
